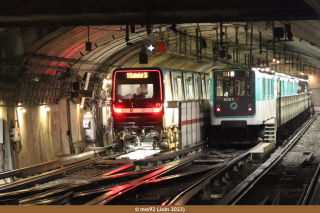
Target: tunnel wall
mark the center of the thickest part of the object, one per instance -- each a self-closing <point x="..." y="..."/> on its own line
<point x="44" y="133"/>
<point x="4" y="157"/>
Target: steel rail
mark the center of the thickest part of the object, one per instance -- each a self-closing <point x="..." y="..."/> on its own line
<point x="47" y="166"/>
<point x="59" y="200"/>
<point x="44" y="177"/>
<point x="198" y="185"/>
<point x="120" y="190"/>
<point x="309" y="195"/>
<point x="76" y="186"/>
<point x="242" y="189"/>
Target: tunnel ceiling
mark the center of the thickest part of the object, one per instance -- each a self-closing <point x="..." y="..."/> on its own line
<point x="96" y="12"/>
<point x="38" y="65"/>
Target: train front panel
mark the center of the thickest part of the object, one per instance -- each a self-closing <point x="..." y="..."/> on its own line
<point x="137" y="98"/>
<point x="233" y="94"/>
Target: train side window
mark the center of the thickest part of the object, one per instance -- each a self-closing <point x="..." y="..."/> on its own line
<point x="263" y="87"/>
<point x="174" y="88"/>
<point x="266" y="88"/>
<point x="258" y="89"/>
<point x="208" y="86"/>
<point x="289" y="88"/>
<point x="274" y="88"/>
<point x="179" y="89"/>
<point x="286" y="87"/>
<point x="177" y="86"/>
<point x="203" y="87"/>
<point x="272" y="85"/>
<point x="168" y="91"/>
<point x="269" y="88"/>
<point x="196" y="86"/>
<point x="188" y="86"/>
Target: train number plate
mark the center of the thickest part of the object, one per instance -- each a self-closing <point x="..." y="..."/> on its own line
<point x="228" y="99"/>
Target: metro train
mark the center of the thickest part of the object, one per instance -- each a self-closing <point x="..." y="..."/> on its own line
<point x="173" y="109"/>
<point x="257" y="103"/>
<point x="145" y="106"/>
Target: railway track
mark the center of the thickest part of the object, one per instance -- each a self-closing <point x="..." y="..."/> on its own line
<point x="284" y="179"/>
<point x="76" y="182"/>
<point x="197" y="175"/>
<point x="164" y="185"/>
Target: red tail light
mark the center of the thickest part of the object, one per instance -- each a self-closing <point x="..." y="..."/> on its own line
<point x="117" y="110"/>
<point x="249" y="109"/>
<point x="218" y="109"/>
<point x="137" y="110"/>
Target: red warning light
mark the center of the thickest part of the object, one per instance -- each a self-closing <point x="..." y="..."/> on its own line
<point x="249" y="109"/>
<point x="218" y="109"/>
<point x="161" y="46"/>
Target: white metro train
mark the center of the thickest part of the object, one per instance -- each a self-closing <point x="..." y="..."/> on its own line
<point x="257" y="103"/>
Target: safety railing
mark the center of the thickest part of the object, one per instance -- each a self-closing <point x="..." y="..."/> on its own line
<point x="291" y="106"/>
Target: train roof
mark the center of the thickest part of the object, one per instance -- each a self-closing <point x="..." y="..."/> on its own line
<point x="265" y="70"/>
<point x="162" y="69"/>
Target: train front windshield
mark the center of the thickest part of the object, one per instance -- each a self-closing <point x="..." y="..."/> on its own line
<point x="134" y="91"/>
<point x="233" y="84"/>
<point x="131" y="86"/>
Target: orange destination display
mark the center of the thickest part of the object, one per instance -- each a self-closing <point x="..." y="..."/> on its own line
<point x="137" y="75"/>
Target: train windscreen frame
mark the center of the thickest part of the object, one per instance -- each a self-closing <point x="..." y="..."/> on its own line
<point x="236" y="95"/>
<point x="145" y="85"/>
<point x="230" y="83"/>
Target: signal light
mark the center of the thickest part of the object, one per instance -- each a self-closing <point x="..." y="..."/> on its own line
<point x="249" y="109"/>
<point x="218" y="109"/>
